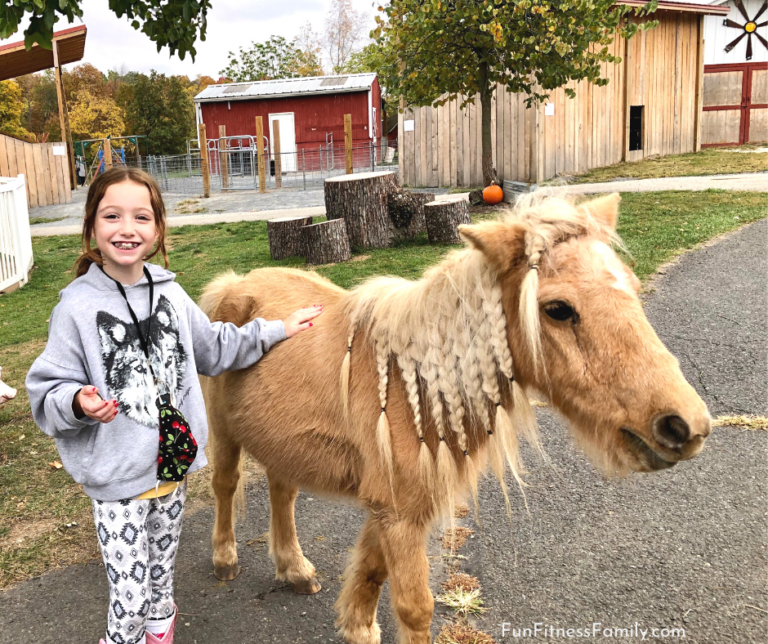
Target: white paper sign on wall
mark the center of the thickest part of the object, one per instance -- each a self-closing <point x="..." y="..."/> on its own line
<point x="59" y="150"/>
<point x="549" y="109"/>
<point x="408" y="125"/>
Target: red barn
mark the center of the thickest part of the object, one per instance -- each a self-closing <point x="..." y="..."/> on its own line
<point x="310" y="110"/>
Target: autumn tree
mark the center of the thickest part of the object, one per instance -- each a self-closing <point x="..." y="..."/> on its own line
<point x="11" y="108"/>
<point x="436" y="50"/>
<point x="176" y="24"/>
<point x="344" y="29"/>
<point x="95" y="117"/>
<point x="309" y="61"/>
<point x="160" y="107"/>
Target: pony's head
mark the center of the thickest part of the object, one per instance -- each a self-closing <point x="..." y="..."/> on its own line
<point x="577" y="332"/>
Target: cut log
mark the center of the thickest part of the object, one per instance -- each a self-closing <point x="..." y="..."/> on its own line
<point x="326" y="242"/>
<point x="443" y="219"/>
<point x="285" y="236"/>
<point x="406" y="210"/>
<point x="361" y="200"/>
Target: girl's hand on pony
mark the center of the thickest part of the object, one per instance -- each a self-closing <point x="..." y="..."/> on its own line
<point x="300" y="320"/>
<point x="89" y="403"/>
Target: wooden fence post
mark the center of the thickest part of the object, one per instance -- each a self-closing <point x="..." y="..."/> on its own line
<point x="107" y="150"/>
<point x="204" y="160"/>
<point x="276" y="152"/>
<point x="66" y="134"/>
<point x="260" y="152"/>
<point x="223" y="161"/>
<point x="348" y="141"/>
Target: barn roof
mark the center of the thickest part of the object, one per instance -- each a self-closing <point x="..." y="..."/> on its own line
<point x="689" y="6"/>
<point x="16" y="61"/>
<point x="310" y="85"/>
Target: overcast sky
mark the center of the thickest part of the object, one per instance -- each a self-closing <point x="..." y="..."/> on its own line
<point x="112" y="43"/>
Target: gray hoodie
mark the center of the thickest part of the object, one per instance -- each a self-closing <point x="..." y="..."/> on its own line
<point x="92" y="341"/>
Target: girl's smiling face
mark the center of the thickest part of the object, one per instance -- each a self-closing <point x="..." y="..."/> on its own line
<point x="125" y="230"/>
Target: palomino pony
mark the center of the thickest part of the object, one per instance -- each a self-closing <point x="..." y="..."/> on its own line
<point x="405" y="389"/>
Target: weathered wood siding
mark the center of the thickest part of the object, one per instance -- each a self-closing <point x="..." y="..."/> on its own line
<point x="47" y="176"/>
<point x="659" y="70"/>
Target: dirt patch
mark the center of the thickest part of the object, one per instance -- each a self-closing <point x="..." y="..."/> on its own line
<point x="26" y="531"/>
<point x="460" y="581"/>
<point x="460" y="511"/>
<point x="455" y="538"/>
<point x="461" y="633"/>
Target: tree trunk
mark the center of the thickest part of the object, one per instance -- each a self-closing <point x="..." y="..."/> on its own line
<point x="326" y="242"/>
<point x="443" y="218"/>
<point x="486" y="95"/>
<point x="406" y="211"/>
<point x="361" y="200"/>
<point x="285" y="236"/>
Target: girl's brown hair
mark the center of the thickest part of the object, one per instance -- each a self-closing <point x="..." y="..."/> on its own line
<point x="96" y="192"/>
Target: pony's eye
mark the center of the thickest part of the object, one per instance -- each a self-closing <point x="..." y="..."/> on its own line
<point x="559" y="311"/>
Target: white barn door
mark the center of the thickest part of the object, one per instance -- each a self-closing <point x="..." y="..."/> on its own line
<point x="287" y="140"/>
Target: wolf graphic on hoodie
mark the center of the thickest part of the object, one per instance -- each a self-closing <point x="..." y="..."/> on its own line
<point x="125" y="366"/>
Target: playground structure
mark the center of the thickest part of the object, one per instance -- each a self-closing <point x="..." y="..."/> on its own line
<point x="233" y="162"/>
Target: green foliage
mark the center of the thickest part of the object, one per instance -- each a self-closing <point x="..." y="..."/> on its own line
<point x="176" y="24"/>
<point x="451" y="47"/>
<point x="370" y="59"/>
<point x="160" y="107"/>
<point x="270" y="60"/>
<point x="11" y="107"/>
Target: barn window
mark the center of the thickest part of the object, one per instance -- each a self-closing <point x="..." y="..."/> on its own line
<point x="635" y="127"/>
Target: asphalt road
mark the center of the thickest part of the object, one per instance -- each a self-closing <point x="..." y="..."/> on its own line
<point x="681" y="548"/>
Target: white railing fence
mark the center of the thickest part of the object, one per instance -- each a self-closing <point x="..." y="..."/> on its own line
<point x="15" y="238"/>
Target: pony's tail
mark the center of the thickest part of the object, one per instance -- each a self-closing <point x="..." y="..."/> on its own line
<point x="344" y="379"/>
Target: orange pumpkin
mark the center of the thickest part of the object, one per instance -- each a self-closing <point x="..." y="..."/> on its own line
<point x="493" y="195"/>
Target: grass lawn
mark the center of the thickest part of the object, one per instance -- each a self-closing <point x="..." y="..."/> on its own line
<point x="40" y="504"/>
<point x="708" y="161"/>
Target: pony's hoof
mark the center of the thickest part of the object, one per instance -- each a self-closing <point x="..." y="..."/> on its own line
<point x="307" y="587"/>
<point x="226" y="573"/>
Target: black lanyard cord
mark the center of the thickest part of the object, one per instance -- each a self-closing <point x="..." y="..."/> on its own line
<point x="142" y="340"/>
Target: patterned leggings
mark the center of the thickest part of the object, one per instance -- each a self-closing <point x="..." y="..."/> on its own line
<point x="139" y="540"/>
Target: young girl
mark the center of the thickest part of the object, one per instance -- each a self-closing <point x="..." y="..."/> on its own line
<point x="123" y="334"/>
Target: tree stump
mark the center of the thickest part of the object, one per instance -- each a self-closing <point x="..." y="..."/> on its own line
<point x="326" y="242"/>
<point x="443" y="218"/>
<point x="285" y="236"/>
<point x="361" y="200"/>
<point x="406" y="210"/>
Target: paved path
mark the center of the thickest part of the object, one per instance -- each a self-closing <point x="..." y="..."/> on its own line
<point x="750" y="181"/>
<point x="685" y="547"/>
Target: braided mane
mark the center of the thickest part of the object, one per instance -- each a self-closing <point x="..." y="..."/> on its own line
<point x="448" y="333"/>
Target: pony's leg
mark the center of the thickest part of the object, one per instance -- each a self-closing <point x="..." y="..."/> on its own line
<point x="290" y="563"/>
<point x="226" y="475"/>
<point x="359" y="597"/>
<point x="404" y="546"/>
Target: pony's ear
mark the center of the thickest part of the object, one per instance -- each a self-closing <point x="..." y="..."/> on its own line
<point x="605" y="209"/>
<point x="502" y="243"/>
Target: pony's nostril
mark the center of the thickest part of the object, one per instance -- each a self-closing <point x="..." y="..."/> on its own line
<point x="671" y="431"/>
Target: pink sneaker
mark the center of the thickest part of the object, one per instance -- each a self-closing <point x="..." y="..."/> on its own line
<point x="167" y="637"/>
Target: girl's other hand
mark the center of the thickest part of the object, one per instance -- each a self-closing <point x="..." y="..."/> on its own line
<point x="89" y="403"/>
<point x="300" y="320"/>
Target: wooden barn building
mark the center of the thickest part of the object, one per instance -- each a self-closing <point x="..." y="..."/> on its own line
<point x="310" y="110"/>
<point x="736" y="74"/>
<point x="651" y="106"/>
